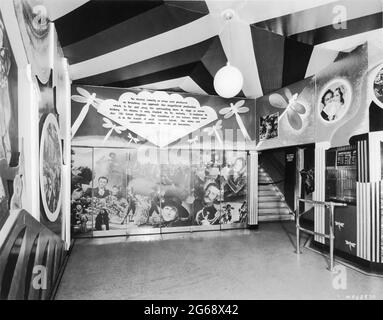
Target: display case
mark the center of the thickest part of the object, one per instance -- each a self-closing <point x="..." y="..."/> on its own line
<point x="341" y="171"/>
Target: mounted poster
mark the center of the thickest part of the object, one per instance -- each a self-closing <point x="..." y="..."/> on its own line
<point x="11" y="178"/>
<point x="131" y="118"/>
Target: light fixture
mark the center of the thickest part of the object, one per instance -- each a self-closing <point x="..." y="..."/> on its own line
<point x="228" y="80"/>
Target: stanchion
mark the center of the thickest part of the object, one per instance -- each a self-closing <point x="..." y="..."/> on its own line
<point x="329" y="236"/>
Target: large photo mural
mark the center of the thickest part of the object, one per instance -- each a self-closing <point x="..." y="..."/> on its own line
<point x="152" y="161"/>
<point x="11" y="167"/>
<point x="330" y="106"/>
<point x="286" y="117"/>
<point x="114" y="190"/>
<point x="341" y="99"/>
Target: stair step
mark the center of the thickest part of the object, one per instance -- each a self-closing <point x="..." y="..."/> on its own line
<point x="269" y="198"/>
<point x="267" y="192"/>
<point x="272" y="205"/>
<point x="271" y="217"/>
<point x="276" y="211"/>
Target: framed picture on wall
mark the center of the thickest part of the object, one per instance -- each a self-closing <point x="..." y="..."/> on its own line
<point x="377" y="87"/>
<point x="268" y="126"/>
<point x="334" y="100"/>
<point x="51" y="168"/>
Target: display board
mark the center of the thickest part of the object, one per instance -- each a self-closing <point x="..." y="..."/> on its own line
<point x="117" y="117"/>
<point x="116" y="191"/>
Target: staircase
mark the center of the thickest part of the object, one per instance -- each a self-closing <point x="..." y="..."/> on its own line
<point x="271" y="202"/>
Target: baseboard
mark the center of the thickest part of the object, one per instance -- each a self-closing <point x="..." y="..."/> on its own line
<point x="61" y="272"/>
<point x="367" y="267"/>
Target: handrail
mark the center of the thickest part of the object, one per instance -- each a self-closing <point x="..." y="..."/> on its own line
<point x="329" y="236"/>
<point x="269" y="183"/>
<point x="23" y="236"/>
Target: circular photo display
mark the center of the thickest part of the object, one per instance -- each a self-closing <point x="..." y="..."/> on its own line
<point x="334" y="100"/>
<point x="378" y="88"/>
<point x="50" y="168"/>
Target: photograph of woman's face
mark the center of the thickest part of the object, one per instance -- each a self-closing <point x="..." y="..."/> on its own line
<point x="335" y="100"/>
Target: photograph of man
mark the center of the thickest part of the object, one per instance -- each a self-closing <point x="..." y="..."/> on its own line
<point x="211" y="212"/>
<point x="101" y="191"/>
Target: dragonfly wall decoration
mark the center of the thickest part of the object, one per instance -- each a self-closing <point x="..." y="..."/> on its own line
<point x="109" y="125"/>
<point x="215" y="129"/>
<point x="294" y="109"/>
<point x="340" y="225"/>
<point x="89" y="100"/>
<point x="350" y="244"/>
<point x="193" y="140"/>
<point x="236" y="109"/>
<point x="131" y="138"/>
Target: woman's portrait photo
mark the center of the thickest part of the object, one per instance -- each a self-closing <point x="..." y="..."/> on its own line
<point x="335" y="100"/>
<point x="378" y="88"/>
<point x="268" y="126"/>
<point x="50" y="168"/>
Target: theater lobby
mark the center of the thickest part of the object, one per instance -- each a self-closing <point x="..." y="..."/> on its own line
<point x="217" y="150"/>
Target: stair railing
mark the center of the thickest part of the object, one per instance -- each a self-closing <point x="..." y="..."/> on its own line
<point x="330" y="236"/>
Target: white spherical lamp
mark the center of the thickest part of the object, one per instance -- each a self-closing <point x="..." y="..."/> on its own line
<point x="228" y="81"/>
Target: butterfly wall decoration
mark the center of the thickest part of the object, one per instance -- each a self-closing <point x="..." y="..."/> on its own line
<point x="293" y="107"/>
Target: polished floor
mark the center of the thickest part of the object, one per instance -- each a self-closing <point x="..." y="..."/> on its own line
<point x="231" y="264"/>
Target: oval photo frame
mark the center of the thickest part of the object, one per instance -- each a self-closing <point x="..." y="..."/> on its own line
<point x="51" y="168"/>
<point x="376" y="86"/>
<point x="334" y="100"/>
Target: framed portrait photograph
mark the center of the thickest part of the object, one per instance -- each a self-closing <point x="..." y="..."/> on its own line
<point x="268" y="126"/>
<point x="334" y="100"/>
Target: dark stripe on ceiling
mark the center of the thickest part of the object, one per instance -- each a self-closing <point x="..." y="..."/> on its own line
<point x="296" y="59"/>
<point x="163" y="75"/>
<point x="96" y="16"/>
<point x="181" y="57"/>
<point x="329" y="33"/>
<point x="195" y="70"/>
<point x="146" y="25"/>
<point x="269" y="53"/>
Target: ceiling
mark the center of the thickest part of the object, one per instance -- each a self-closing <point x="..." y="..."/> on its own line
<point x="180" y="45"/>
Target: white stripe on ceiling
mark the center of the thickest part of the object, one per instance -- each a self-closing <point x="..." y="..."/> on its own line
<point x="237" y="43"/>
<point x="185" y="83"/>
<point x="178" y="38"/>
<point x="324" y="16"/>
<point x="348" y="43"/>
<point x="320" y="59"/>
<point x="260" y="10"/>
<point x="189" y="85"/>
<point x="59" y="8"/>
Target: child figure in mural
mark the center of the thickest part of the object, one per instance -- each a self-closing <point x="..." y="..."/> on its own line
<point x="102" y="220"/>
<point x="101" y="190"/>
<point x="333" y="102"/>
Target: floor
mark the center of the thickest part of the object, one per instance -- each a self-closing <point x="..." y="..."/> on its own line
<point x="231" y="264"/>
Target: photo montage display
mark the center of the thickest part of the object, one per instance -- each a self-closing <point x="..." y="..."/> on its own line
<point x="114" y="192"/>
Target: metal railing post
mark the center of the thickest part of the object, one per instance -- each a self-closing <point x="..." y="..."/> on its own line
<point x="297" y="226"/>
<point x="331" y="224"/>
<point x="330" y="236"/>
